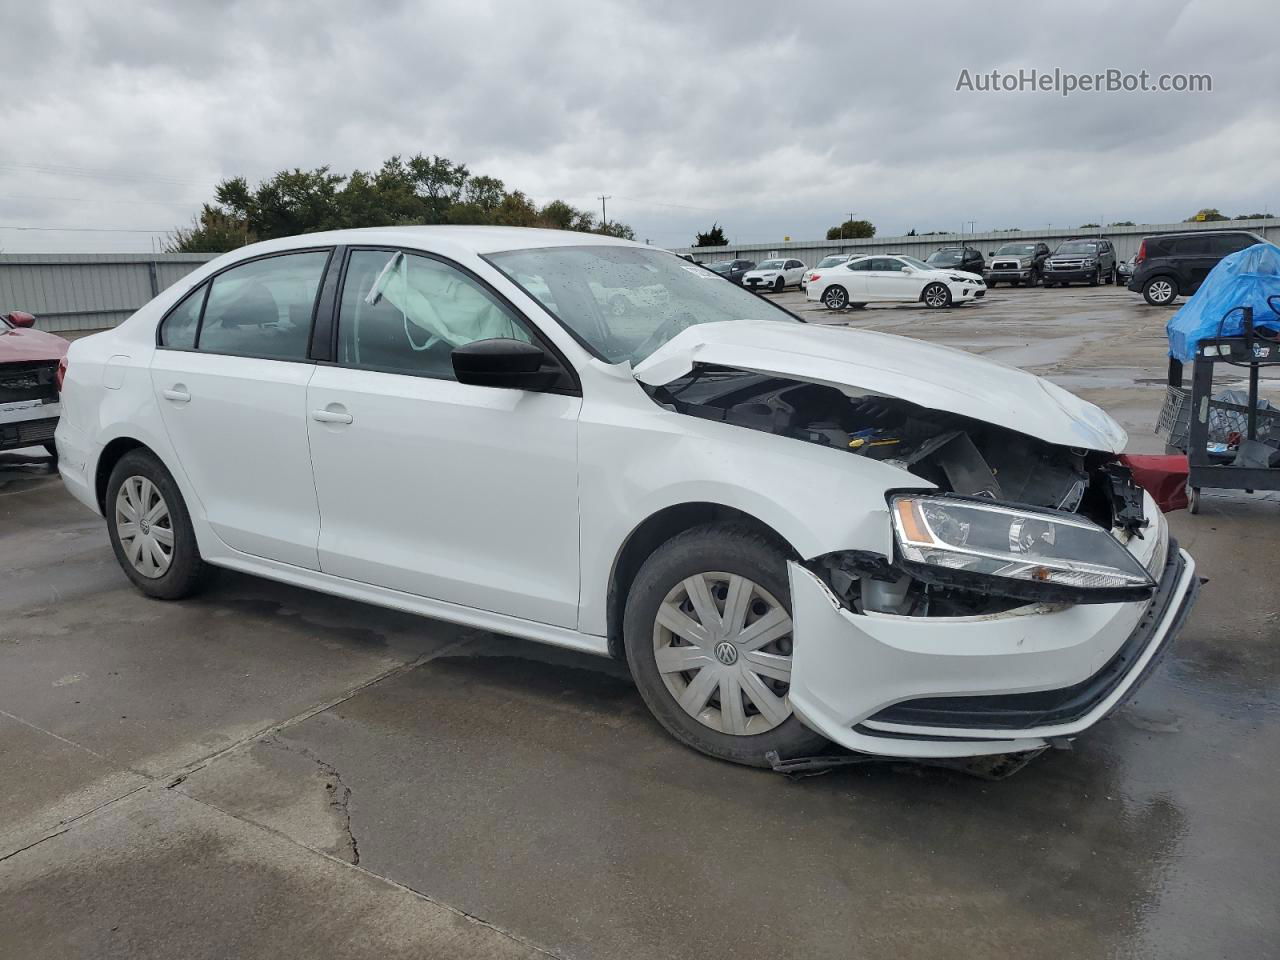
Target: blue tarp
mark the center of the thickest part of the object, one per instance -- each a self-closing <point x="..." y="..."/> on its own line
<point x="1244" y="279"/>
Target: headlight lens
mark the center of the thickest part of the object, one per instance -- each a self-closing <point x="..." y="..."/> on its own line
<point x="1014" y="551"/>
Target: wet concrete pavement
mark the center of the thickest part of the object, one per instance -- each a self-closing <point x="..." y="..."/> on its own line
<point x="269" y="772"/>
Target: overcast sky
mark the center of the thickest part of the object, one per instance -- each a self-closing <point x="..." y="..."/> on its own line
<point x="773" y="119"/>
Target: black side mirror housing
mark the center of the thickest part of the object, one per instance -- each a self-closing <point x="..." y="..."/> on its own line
<point x="504" y="362"/>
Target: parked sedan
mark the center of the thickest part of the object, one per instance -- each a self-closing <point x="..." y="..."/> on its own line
<point x="866" y="280"/>
<point x="791" y="533"/>
<point x="774" y="275"/>
<point x="732" y="270"/>
<point x="29" y="377"/>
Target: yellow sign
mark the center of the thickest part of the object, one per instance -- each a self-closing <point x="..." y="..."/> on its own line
<point x="1200" y="218"/>
<point x="786" y="239"/>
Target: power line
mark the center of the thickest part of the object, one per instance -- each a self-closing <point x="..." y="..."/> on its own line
<point x="98" y="174"/>
<point x="6" y="226"/>
<point x="168" y="203"/>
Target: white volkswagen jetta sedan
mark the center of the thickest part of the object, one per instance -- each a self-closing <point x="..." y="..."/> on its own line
<point x="869" y="279"/>
<point x="793" y="534"/>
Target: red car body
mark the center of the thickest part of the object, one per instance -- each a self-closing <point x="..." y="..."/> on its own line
<point x="29" y="361"/>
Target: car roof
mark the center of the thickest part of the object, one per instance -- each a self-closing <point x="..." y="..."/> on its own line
<point x="443" y="237"/>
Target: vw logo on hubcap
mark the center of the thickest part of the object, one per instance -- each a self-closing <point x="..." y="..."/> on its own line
<point x="144" y="526"/>
<point x="726" y="653"/>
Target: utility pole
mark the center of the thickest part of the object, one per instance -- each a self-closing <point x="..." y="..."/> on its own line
<point x="604" y="216"/>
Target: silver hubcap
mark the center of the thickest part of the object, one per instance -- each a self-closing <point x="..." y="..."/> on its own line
<point x="835" y="298"/>
<point x="1161" y="291"/>
<point x="723" y="647"/>
<point x="144" y="527"/>
<point x="935" y="297"/>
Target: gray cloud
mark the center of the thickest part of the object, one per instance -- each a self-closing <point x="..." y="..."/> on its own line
<point x="773" y="120"/>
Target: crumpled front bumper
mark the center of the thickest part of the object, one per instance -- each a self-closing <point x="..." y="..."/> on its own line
<point x="931" y="687"/>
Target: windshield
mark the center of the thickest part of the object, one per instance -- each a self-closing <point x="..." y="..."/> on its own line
<point x="919" y="265"/>
<point x="830" y="262"/>
<point x="945" y="258"/>
<point x="626" y="302"/>
<point x="1078" y="247"/>
<point x="770" y="265"/>
<point x="724" y="266"/>
<point x="1018" y="249"/>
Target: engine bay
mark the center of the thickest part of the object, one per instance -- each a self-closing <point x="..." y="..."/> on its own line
<point x="959" y="455"/>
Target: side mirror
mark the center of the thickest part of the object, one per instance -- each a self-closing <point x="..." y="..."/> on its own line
<point x="503" y="362"/>
<point x="906" y="269"/>
<point x="991" y="253"/>
<point x="20" y="318"/>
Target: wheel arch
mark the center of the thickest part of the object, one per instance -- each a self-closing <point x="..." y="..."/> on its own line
<point x="107" y="460"/>
<point x="651" y="533"/>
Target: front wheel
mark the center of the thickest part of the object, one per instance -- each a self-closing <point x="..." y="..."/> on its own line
<point x="707" y="631"/>
<point x="936" y="295"/>
<point x="150" y="528"/>
<point x="991" y="284"/>
<point x="1048" y="284"/>
<point x="1096" y="278"/>
<point x="835" y="297"/>
<point x="779" y="285"/>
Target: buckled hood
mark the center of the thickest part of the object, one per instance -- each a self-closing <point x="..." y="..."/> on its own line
<point x="860" y="362"/>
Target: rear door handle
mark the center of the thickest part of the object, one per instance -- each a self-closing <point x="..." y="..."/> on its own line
<point x="177" y="393"/>
<point x="334" y="413"/>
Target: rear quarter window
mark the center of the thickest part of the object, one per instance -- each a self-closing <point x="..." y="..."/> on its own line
<point x="178" y="329"/>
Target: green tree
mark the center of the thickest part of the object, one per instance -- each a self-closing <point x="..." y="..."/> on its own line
<point x="1122" y="223"/>
<point x="712" y="238"/>
<point x="1088" y="226"/>
<point x="1251" y="216"/>
<point x="1205" y="213"/>
<point x="852" y="230"/>
<point x="419" y="189"/>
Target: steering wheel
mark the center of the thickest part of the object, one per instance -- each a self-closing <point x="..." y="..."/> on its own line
<point x="668" y="329"/>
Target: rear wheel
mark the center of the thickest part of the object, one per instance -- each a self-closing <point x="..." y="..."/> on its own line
<point x="150" y="528"/>
<point x="936" y="295"/>
<point x="835" y="297"/>
<point x="708" y="638"/>
<point x="1160" y="291"/>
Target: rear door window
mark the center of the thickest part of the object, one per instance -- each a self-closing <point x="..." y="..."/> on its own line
<point x="1190" y="246"/>
<point x="263" y="308"/>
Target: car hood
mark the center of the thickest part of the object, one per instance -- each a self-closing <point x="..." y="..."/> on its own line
<point x="1023" y="260"/>
<point x="859" y="362"/>
<point x="24" y="344"/>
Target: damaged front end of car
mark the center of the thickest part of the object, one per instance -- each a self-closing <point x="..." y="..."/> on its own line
<point x="1008" y="519"/>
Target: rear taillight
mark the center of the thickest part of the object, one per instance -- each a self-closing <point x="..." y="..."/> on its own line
<point x="61" y="375"/>
<point x="1142" y="253"/>
<point x="814" y="276"/>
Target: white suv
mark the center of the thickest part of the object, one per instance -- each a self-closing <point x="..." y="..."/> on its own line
<point x="792" y="533"/>
<point x="775" y="275"/>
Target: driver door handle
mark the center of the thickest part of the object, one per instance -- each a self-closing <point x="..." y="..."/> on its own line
<point x="176" y="393"/>
<point x="334" y="413"/>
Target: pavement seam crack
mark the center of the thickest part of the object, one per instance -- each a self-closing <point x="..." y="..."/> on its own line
<point x="469" y="917"/>
<point x="35" y="843"/>
<point x="199" y="763"/>
<point x="50" y="733"/>
<point x="340" y="800"/>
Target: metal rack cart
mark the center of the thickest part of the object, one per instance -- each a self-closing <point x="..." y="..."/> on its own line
<point x="1202" y="427"/>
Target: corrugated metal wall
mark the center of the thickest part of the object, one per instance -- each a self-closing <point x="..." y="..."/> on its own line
<point x="88" y="291"/>
<point x="1126" y="240"/>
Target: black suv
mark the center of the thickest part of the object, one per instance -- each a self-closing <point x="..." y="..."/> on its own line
<point x="1172" y="264"/>
<point x="966" y="259"/>
<point x="1089" y="259"/>
<point x="1017" y="263"/>
<point x="732" y="270"/>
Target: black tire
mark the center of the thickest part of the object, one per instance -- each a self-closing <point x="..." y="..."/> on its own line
<point x="779" y="285"/>
<point x="935" y="296"/>
<point x="186" y="572"/>
<point x="1015" y="283"/>
<point x="1160" y="291"/>
<point x="857" y="306"/>
<point x="991" y="284"/>
<point x="835" y="297"/>
<point x="732" y="548"/>
<point x="1049" y="283"/>
<point x="1096" y="278"/>
<point x="1033" y="280"/>
<point x="51" y="448"/>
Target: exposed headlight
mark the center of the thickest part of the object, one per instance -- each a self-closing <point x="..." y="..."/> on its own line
<point x="1013" y="551"/>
